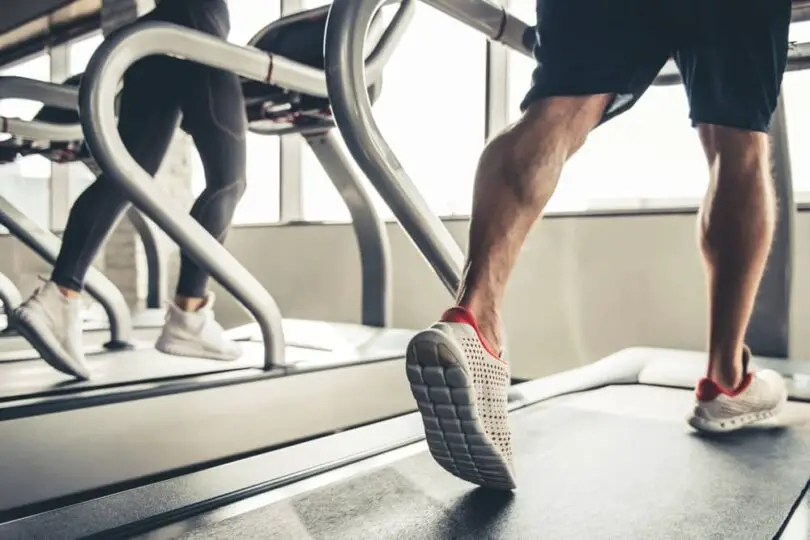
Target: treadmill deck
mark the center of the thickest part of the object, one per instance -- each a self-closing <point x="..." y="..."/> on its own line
<point x="618" y="462"/>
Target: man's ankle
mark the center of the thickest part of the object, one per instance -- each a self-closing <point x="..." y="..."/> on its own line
<point x="729" y="380"/>
<point x="485" y="323"/>
<point x="66" y="292"/>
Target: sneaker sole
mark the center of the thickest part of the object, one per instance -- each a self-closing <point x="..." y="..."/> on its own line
<point x="734" y="423"/>
<point x="440" y="382"/>
<point x="51" y="352"/>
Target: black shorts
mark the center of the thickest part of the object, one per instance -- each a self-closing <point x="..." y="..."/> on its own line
<point x="731" y="54"/>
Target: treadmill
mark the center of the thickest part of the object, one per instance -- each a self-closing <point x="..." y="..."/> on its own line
<point x="119" y="329"/>
<point x="602" y="451"/>
<point x="144" y="414"/>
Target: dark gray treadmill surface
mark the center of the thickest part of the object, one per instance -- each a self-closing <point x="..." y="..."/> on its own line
<point x="619" y="462"/>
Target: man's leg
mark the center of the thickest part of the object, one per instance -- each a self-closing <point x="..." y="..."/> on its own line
<point x="733" y="78"/>
<point x="458" y="373"/>
<point x="516" y="176"/>
<point x="736" y="227"/>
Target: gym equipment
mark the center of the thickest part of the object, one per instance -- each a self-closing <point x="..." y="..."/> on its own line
<point x="593" y="448"/>
<point x="150" y="414"/>
<point x="593" y="445"/>
<point x="45" y="139"/>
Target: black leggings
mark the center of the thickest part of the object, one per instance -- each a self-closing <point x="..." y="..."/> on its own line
<point x="157" y="91"/>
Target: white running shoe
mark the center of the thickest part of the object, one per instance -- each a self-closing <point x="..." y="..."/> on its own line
<point x="761" y="396"/>
<point x="461" y="389"/>
<point x="196" y="333"/>
<point x="52" y="324"/>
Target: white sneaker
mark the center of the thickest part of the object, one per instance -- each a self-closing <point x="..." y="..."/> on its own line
<point x="196" y="333"/>
<point x="761" y="396"/>
<point x="461" y="390"/>
<point x="52" y="323"/>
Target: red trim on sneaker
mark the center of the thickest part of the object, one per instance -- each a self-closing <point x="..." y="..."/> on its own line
<point x="708" y="390"/>
<point x="462" y="315"/>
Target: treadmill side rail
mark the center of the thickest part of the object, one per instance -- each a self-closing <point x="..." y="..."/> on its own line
<point x="97" y="112"/>
<point x="369" y="228"/>
<point x="346" y="78"/>
<point x="47" y="245"/>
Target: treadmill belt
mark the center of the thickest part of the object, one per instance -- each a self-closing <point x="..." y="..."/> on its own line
<point x="586" y="469"/>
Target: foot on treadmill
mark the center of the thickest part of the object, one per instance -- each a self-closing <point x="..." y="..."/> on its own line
<point x="52" y="323"/>
<point x="761" y="396"/>
<point x="461" y="390"/>
<point x="196" y="333"/>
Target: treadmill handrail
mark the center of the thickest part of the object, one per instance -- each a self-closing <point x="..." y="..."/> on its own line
<point x="97" y="112"/>
<point x="47" y="93"/>
<point x="34" y="130"/>
<point x="346" y="79"/>
<point x="47" y="245"/>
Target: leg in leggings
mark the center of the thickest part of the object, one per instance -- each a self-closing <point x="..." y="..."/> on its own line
<point x="214" y="115"/>
<point x="147" y="122"/>
<point x="51" y="318"/>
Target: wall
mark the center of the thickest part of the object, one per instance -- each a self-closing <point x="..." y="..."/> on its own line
<point x="584" y="287"/>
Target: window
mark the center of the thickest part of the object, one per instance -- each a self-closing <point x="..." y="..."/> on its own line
<point x="26" y="182"/>
<point x="79" y="53"/>
<point x="647" y="157"/>
<point x="432" y="113"/>
<point x="795" y="90"/>
<point x="260" y="204"/>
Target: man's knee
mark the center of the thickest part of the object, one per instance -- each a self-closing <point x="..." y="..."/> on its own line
<point x="561" y="123"/>
<point x="731" y="145"/>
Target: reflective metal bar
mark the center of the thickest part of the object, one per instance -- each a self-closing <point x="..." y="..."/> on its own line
<point x="31" y="130"/>
<point x="801" y="11"/>
<point x="344" y="45"/>
<point x="369" y="228"/>
<point x="45" y="244"/>
<point x="389" y="39"/>
<point x="155" y="271"/>
<point x="492" y="20"/>
<point x="49" y="94"/>
<point x="769" y="330"/>
<point x="97" y="112"/>
<point x="55" y="95"/>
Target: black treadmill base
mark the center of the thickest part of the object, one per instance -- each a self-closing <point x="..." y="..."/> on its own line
<point x="581" y="474"/>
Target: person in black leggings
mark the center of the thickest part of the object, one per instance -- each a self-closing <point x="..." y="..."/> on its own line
<point x="158" y="91"/>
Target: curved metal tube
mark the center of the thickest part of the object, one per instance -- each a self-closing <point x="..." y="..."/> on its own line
<point x="155" y="276"/>
<point x="55" y="95"/>
<point x="369" y="229"/>
<point x="32" y="130"/>
<point x="46" y="244"/>
<point x="344" y="45"/>
<point x="97" y="112"/>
